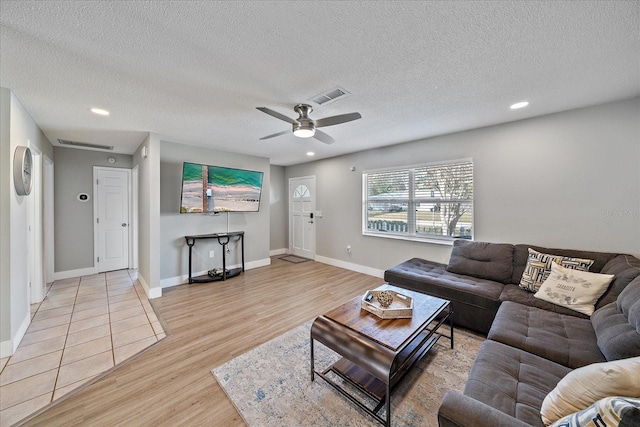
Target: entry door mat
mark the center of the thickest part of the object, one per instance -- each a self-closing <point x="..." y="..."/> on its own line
<point x="271" y="384"/>
<point x="294" y="259"/>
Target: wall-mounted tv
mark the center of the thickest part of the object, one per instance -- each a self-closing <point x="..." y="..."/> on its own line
<point x="208" y="188"/>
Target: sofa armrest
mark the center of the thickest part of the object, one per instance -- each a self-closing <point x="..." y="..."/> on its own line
<point x="458" y="410"/>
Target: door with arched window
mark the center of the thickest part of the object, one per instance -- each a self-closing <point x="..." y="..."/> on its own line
<point x="302" y="205"/>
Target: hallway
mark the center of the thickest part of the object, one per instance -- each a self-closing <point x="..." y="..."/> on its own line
<point x="83" y="328"/>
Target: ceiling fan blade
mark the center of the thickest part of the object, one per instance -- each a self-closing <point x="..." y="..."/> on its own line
<point x="277" y="115"/>
<point x="323" y="137"/>
<point x="336" y="120"/>
<point x="275" y="134"/>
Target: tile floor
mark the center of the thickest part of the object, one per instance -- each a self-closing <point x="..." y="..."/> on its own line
<point x="82" y="328"/>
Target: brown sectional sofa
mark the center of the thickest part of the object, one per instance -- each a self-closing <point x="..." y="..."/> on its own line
<point x="531" y="344"/>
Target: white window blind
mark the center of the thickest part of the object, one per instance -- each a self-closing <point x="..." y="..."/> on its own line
<point x="432" y="201"/>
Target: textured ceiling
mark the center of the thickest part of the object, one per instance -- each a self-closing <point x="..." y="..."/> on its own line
<point x="194" y="72"/>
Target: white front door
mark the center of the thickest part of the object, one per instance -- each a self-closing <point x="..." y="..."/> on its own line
<point x="302" y="206"/>
<point x="111" y="206"/>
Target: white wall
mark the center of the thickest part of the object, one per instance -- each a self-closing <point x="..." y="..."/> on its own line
<point x="278" y="211"/>
<point x="6" y="182"/>
<point x="149" y="215"/>
<point x="174" y="225"/>
<point x="567" y="180"/>
<point x="14" y="287"/>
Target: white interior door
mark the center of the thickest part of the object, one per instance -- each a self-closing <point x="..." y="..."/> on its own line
<point x="111" y="207"/>
<point x="302" y="206"/>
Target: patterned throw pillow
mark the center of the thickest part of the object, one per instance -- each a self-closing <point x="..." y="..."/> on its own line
<point x="574" y="289"/>
<point x="539" y="266"/>
<point x="607" y="412"/>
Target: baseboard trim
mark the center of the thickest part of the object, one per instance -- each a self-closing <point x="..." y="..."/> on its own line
<point x="351" y="266"/>
<point x="184" y="279"/>
<point x="277" y="252"/>
<point x="151" y="292"/>
<point x="68" y="274"/>
<point x="8" y="347"/>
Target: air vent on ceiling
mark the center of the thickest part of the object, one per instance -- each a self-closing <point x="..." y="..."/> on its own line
<point x="330" y="95"/>
<point x="85" y="145"/>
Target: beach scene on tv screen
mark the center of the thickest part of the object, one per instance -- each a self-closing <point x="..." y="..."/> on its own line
<point x="218" y="189"/>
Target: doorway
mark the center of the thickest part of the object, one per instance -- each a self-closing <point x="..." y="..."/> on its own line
<point x="36" y="242"/>
<point x="112" y="218"/>
<point x="302" y="206"/>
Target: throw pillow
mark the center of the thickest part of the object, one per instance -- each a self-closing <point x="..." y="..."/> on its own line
<point x="582" y="387"/>
<point x="539" y="266"/>
<point x="607" y="412"/>
<point x="573" y="289"/>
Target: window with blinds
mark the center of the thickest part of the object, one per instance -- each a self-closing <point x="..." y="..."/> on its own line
<point x="432" y="201"/>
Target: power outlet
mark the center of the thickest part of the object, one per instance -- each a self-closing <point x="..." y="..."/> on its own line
<point x="211" y="254"/>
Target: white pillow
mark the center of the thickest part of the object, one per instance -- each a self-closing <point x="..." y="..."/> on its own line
<point x="584" y="386"/>
<point x="574" y="289"/>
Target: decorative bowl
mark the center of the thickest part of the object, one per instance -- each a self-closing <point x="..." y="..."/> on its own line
<point x="385" y="298"/>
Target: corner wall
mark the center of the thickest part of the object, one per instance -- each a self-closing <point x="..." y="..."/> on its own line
<point x="149" y="215"/>
<point x="18" y="128"/>
<point x="278" y="211"/>
<point x="567" y="180"/>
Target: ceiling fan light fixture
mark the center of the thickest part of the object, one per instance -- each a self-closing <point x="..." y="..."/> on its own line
<point x="304" y="133"/>
<point x="304" y="129"/>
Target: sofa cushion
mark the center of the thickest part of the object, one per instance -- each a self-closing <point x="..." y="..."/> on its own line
<point x="516" y="294"/>
<point x="491" y="261"/>
<point x="584" y="386"/>
<point x="626" y="268"/>
<point x="610" y="411"/>
<point x="521" y="255"/>
<point x="618" y="334"/>
<point x="538" y="268"/>
<point x="433" y="278"/>
<point x="513" y="381"/>
<point x="567" y="340"/>
<point x="628" y="303"/>
<point x="574" y="289"/>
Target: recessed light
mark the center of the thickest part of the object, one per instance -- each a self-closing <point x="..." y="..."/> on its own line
<point x="99" y="111"/>
<point x="310" y="153"/>
<point x="519" y="105"/>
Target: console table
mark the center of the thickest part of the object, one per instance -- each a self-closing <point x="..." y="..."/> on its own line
<point x="223" y="239"/>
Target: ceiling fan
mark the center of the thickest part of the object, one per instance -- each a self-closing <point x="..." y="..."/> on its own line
<point x="305" y="127"/>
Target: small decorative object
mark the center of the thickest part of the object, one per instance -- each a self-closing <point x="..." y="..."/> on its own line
<point x="385" y="298"/>
<point x="22" y="163"/>
<point x="399" y="307"/>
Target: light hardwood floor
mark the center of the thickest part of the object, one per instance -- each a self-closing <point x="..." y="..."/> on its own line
<point x="208" y="324"/>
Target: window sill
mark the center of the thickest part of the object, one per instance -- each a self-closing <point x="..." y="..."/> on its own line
<point x="445" y="242"/>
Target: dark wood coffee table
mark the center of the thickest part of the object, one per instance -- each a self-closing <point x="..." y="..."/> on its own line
<point x="377" y="353"/>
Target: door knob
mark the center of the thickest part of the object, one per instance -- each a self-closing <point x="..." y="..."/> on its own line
<point x="124" y="224"/>
<point x="310" y="222"/>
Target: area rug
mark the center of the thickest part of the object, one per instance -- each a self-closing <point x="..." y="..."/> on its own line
<point x="271" y="384"/>
<point x="294" y="259"/>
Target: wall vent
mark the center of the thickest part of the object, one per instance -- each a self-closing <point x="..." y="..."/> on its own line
<point x="330" y="96"/>
<point x="85" y="145"/>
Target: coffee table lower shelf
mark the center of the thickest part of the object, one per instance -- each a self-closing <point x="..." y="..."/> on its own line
<point x="372" y="387"/>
